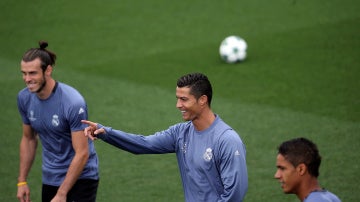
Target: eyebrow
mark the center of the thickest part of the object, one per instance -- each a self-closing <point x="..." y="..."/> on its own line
<point x="32" y="71"/>
<point x="280" y="166"/>
<point x="181" y="97"/>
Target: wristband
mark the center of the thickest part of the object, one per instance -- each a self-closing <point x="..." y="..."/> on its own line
<point x="21" y="183"/>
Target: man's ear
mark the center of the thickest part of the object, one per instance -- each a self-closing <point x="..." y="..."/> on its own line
<point x="301" y="169"/>
<point x="203" y="99"/>
<point x="48" y="70"/>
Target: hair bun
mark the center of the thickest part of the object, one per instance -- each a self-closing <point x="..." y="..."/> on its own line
<point x="43" y="44"/>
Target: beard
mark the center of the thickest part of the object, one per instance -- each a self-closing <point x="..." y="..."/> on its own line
<point x="43" y="84"/>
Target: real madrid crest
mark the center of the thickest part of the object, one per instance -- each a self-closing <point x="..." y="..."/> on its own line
<point x="55" y="120"/>
<point x="208" y="155"/>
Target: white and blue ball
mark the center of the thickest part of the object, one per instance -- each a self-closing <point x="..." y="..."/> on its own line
<point x="233" y="49"/>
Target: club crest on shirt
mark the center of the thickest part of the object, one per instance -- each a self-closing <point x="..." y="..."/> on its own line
<point x="31" y="117"/>
<point x="208" y="154"/>
<point x="55" y="120"/>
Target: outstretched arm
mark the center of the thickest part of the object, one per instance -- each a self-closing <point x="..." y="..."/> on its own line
<point x="160" y="142"/>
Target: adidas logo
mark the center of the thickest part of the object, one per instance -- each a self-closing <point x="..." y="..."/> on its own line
<point x="81" y="110"/>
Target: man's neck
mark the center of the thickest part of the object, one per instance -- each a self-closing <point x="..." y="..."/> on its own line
<point x="307" y="187"/>
<point x="205" y="120"/>
<point x="47" y="90"/>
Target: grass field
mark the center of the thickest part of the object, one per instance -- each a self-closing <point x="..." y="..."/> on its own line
<point x="301" y="78"/>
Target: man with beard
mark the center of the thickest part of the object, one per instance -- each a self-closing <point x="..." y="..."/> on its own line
<point x="53" y="111"/>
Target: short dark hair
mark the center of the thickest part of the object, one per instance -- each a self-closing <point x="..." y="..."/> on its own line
<point x="47" y="57"/>
<point x="301" y="150"/>
<point x="198" y="83"/>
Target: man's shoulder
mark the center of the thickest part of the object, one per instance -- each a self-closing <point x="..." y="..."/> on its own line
<point x="24" y="92"/>
<point x="322" y="196"/>
<point x="69" y="92"/>
<point x="182" y="125"/>
<point x="222" y="129"/>
<point x="67" y="88"/>
<point x="24" y="95"/>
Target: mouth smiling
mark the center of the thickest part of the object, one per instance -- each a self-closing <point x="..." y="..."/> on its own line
<point x="31" y="85"/>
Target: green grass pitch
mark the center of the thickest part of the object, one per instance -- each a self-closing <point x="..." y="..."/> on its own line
<point x="301" y="78"/>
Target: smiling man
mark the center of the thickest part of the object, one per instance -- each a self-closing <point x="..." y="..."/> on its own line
<point x="298" y="163"/>
<point x="53" y="111"/>
<point x="210" y="154"/>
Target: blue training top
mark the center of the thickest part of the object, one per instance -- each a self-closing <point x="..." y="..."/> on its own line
<point x="212" y="162"/>
<point x="54" y="119"/>
<point x="322" y="196"/>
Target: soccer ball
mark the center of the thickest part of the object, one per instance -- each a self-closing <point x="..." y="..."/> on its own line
<point x="233" y="49"/>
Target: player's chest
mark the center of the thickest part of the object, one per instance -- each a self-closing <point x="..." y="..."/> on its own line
<point x="46" y="115"/>
<point x="200" y="154"/>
